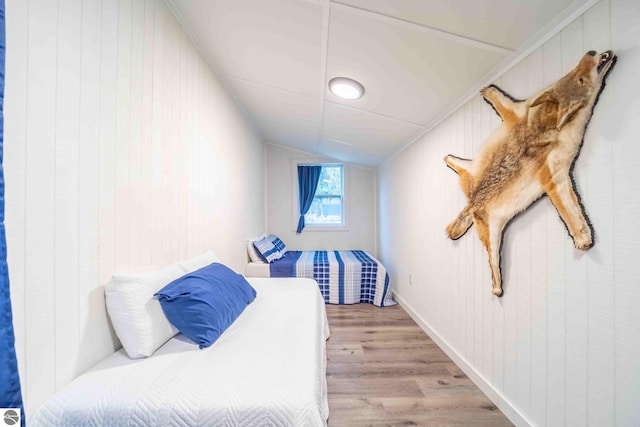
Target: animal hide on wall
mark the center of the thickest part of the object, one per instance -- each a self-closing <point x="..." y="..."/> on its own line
<point x="531" y="154"/>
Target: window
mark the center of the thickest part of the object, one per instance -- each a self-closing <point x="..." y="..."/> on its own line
<point x="328" y="206"/>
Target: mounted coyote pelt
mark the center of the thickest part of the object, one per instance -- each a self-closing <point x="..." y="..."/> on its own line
<point x="529" y="155"/>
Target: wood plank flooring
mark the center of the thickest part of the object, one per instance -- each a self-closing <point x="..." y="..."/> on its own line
<point x="383" y="370"/>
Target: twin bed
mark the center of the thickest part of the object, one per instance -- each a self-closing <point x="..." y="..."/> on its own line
<point x="267" y="368"/>
<point x="344" y="277"/>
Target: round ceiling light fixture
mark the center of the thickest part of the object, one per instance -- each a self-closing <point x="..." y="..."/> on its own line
<point x="346" y="88"/>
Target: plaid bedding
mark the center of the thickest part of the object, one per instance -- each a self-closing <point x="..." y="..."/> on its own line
<point x="344" y="277"/>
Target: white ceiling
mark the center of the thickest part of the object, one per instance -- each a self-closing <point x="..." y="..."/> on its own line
<point x="416" y="59"/>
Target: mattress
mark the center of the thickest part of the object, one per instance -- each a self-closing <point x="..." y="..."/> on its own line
<point x="257" y="269"/>
<point x="268" y="368"/>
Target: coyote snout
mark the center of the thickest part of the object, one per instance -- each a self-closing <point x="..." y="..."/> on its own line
<point x="531" y="154"/>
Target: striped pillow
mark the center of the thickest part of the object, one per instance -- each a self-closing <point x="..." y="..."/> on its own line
<point x="279" y="244"/>
<point x="267" y="249"/>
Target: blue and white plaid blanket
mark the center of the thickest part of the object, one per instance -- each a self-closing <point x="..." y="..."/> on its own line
<point x="344" y="277"/>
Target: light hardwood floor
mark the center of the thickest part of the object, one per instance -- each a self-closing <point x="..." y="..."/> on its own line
<point x="384" y="370"/>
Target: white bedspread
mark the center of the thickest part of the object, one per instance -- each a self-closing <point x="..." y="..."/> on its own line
<point x="267" y="369"/>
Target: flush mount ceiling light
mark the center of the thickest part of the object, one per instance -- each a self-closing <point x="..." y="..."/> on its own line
<point x="346" y="88"/>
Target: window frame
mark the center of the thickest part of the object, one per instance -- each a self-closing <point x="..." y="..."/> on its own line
<point x="296" y="202"/>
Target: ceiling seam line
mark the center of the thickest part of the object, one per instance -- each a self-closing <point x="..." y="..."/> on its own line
<point x="423" y="28"/>
<point x="322" y="99"/>
<point x="321" y="157"/>
<point x="501" y="69"/>
<point x="324" y="59"/>
<point x="255" y="83"/>
<point x="218" y="75"/>
<point x="362" y="110"/>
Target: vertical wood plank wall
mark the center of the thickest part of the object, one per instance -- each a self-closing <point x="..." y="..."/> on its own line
<point x="122" y="153"/>
<point x="561" y="347"/>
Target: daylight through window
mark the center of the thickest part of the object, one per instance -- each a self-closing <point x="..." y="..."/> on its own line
<point x="327" y="208"/>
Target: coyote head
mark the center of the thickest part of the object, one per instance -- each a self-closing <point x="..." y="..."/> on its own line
<point x="579" y="88"/>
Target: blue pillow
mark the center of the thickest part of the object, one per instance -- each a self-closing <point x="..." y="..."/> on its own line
<point x="267" y="250"/>
<point x="204" y="303"/>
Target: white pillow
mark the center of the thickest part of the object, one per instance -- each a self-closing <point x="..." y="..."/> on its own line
<point x="202" y="260"/>
<point x="251" y="250"/>
<point x="136" y="314"/>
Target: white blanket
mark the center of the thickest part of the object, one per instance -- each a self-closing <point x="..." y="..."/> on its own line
<point x="268" y="368"/>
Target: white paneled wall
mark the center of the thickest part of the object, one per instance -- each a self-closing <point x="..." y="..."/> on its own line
<point x="282" y="202"/>
<point x="561" y="347"/>
<point x="122" y="153"/>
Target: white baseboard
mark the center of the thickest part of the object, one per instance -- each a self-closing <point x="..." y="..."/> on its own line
<point x="494" y="395"/>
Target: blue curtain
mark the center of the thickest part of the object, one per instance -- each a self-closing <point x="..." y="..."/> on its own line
<point x="308" y="177"/>
<point x="10" y="394"/>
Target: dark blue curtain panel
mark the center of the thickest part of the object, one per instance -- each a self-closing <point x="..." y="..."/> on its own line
<point x="10" y="394"/>
<point x="308" y="177"/>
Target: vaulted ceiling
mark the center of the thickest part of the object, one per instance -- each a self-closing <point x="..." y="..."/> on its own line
<point x="417" y="59"/>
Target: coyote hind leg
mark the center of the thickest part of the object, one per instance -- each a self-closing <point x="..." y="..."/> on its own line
<point x="458" y="164"/>
<point x="460" y="225"/>
<point x="465" y="169"/>
<point x="563" y="196"/>
<point x="490" y="233"/>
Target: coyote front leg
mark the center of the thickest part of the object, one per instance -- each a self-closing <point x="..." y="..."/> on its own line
<point x="507" y="108"/>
